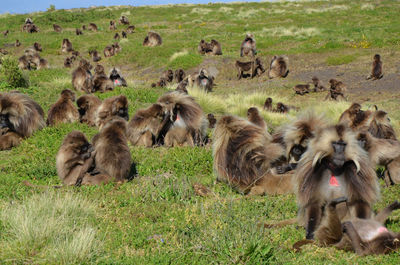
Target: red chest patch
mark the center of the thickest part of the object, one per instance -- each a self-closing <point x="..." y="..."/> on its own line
<point x="333" y="181"/>
<point x="382" y="229"/>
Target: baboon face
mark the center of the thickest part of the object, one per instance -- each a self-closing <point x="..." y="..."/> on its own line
<point x="85" y="65"/>
<point x="268" y="102"/>
<point x="252" y="111"/>
<point x="377" y="57"/>
<point x="297" y="151"/>
<point x="120" y="108"/>
<point x="355" y="108"/>
<point x="5" y="124"/>
<point x="68" y="94"/>
<point x="78" y="144"/>
<point x="99" y="69"/>
<point x="114" y="74"/>
<point x="338" y="157"/>
<point x="37" y="46"/>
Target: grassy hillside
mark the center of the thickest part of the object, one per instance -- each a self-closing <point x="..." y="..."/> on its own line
<point x="157" y="218"/>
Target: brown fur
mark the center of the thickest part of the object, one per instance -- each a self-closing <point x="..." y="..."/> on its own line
<point x="243" y="154"/>
<point x="204" y="47"/>
<point x="268" y="104"/>
<point x="185" y="112"/>
<point x="211" y="120"/>
<point x="66" y="46"/>
<point x="64" y="110"/>
<point x="87" y="107"/>
<point x="363" y="236"/>
<point x="145" y="127"/>
<point x="78" y="32"/>
<point x="130" y="29"/>
<point x="37" y="47"/>
<point x="255" y="67"/>
<point x="355" y="118"/>
<point x="318" y="87"/>
<point x="380" y="126"/>
<point x="113" y="157"/>
<point x="248" y="46"/>
<point x="123" y="20"/>
<point x="376" y="72"/>
<point x="152" y="39"/>
<point x="337" y="90"/>
<point x="116" y="36"/>
<point x="216" y="48"/>
<point x="110" y="107"/>
<point x="109" y="51"/>
<point x="95" y="56"/>
<point x="57" y="28"/>
<point x="92" y="27"/>
<point x="39" y="63"/>
<point x="204" y="80"/>
<point x="112" y="25"/>
<point x="20" y="116"/>
<point x="68" y="62"/>
<point x="82" y="77"/>
<point x="179" y="75"/>
<point x="254" y="116"/>
<point x="168" y="75"/>
<point x="279" y="67"/>
<point x="301" y="89"/>
<point x="17" y="43"/>
<point x="100" y="80"/>
<point x="313" y="178"/>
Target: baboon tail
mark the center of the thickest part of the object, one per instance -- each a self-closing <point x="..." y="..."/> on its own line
<point x="282" y="223"/>
<point x="297" y="246"/>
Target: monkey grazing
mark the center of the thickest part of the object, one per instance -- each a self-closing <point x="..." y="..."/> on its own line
<point x="376" y="72"/>
<point x="318" y="87"/>
<point x="17" y="43"/>
<point x="92" y="27"/>
<point x="123" y="20"/>
<point x="114" y="106"/>
<point x="255" y="67"/>
<point x="301" y="89"/>
<point x="179" y="75"/>
<point x="64" y="110"/>
<point x="87" y="108"/>
<point x="204" y="47"/>
<point x="144" y="128"/>
<point x="380" y="126"/>
<point x="243" y="153"/>
<point x="82" y="77"/>
<point x="152" y="39"/>
<point x="130" y="29"/>
<point x="216" y="48"/>
<point x="57" y="28"/>
<point x="333" y="166"/>
<point x="268" y="104"/>
<point x="95" y="56"/>
<point x="337" y="90"/>
<point x="248" y="46"/>
<point x="279" y="67"/>
<point x="20" y="117"/>
<point x="117" y="78"/>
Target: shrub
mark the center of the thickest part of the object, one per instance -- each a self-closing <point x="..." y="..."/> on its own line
<point x="11" y="74"/>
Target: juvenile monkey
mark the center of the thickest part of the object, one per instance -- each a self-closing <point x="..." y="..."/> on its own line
<point x="87" y="108"/>
<point x="301" y="89"/>
<point x="100" y="80"/>
<point x="248" y="46"/>
<point x="17" y="43"/>
<point x="109" y="51"/>
<point x="78" y="31"/>
<point x="317" y="85"/>
<point x="112" y="25"/>
<point x="110" y="107"/>
<point x="337" y="90"/>
<point x="268" y="104"/>
<point x="253" y="116"/>
<point x="124" y="35"/>
<point x="376" y="72"/>
<point x="95" y="56"/>
<point x="255" y="67"/>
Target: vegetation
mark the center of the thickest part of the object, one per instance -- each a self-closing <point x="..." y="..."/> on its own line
<point x="157" y="218"/>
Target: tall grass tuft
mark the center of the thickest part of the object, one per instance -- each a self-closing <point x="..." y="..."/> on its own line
<point x="49" y="228"/>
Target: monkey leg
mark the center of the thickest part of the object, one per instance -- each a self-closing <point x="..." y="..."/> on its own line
<point x="330" y="230"/>
<point x="85" y="168"/>
<point x="354" y="237"/>
<point x="392" y="172"/>
<point x="146" y="139"/>
<point x="98" y="179"/>
<point x="384" y="214"/>
<point x="362" y="209"/>
<point x="273" y="184"/>
<point x="313" y="219"/>
<point x="9" y="140"/>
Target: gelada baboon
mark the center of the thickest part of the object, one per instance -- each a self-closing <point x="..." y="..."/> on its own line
<point x="92" y="27"/>
<point x="204" y="47"/>
<point x="161" y="83"/>
<point x="100" y="80"/>
<point x="37" y="47"/>
<point x="301" y="89"/>
<point x="282" y="108"/>
<point x="110" y="107"/>
<point x="253" y="115"/>
<point x="5" y="33"/>
<point x="130" y="29"/>
<point x="116" y="36"/>
<point x="216" y="48"/>
<point x="109" y="51"/>
<point x="152" y="39"/>
<point x="68" y="62"/>
<point x="20" y="117"/>
<point x="380" y="126"/>
<point x="355" y="118"/>
<point x="64" y="110"/>
<point x="184" y="112"/>
<point x="40" y="63"/>
<point x="243" y="153"/>
<point x="318" y="87"/>
<point x="117" y="78"/>
<point x="182" y="86"/>
<point x="75" y="160"/>
<point x="95" y="56"/>
<point x="17" y="43"/>
<point x="333" y="166"/>
<point x="279" y="67"/>
<point x="123" y="20"/>
<point x="255" y="67"/>
<point x="376" y="72"/>
<point x="112" y="25"/>
<point x="82" y="77"/>
<point x="179" y="75"/>
<point x="124" y="35"/>
<point x="57" y="28"/>
<point x="211" y="120"/>
<point x="3" y="51"/>
<point x="78" y="32"/>
<point x="66" y="46"/>
<point x="116" y="47"/>
<point x="248" y="46"/>
<point x="268" y="104"/>
<point x="337" y="90"/>
<point x="363" y="236"/>
<point x="113" y="157"/>
<point x="296" y="137"/>
<point x="87" y="108"/>
<point x="145" y="127"/>
<point x="204" y="80"/>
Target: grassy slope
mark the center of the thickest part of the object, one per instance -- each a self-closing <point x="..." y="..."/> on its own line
<point x="157" y="218"/>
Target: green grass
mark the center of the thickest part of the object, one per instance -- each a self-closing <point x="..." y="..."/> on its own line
<point x="157" y="218"/>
